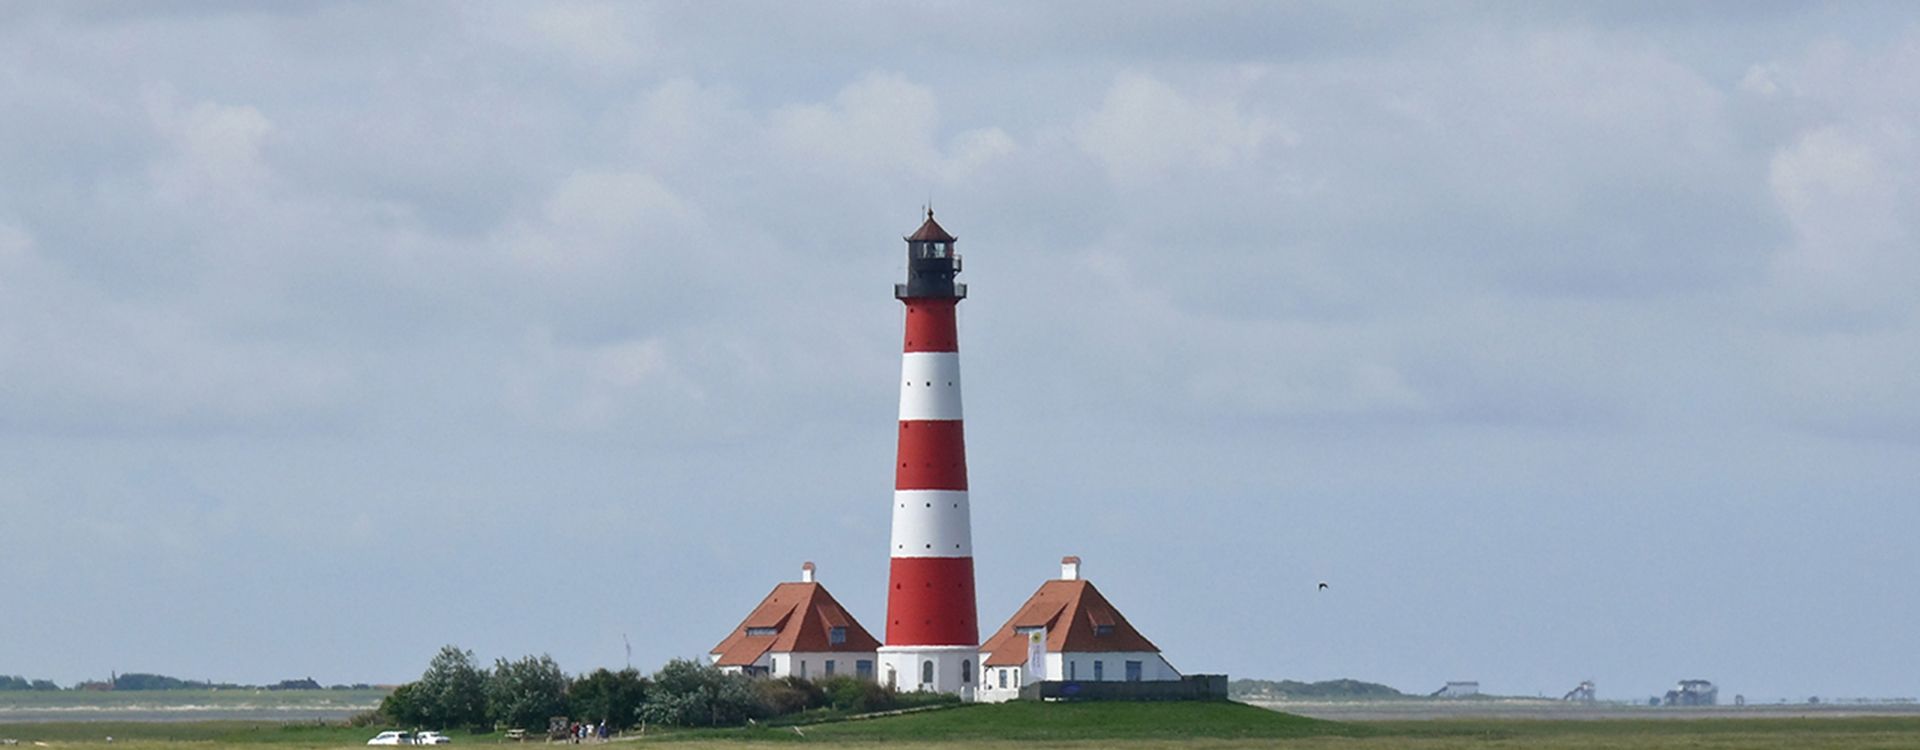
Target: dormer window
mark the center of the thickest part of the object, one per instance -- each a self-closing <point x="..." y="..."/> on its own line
<point x="837" y="635"/>
<point x="762" y="631"/>
<point x="1103" y="630"/>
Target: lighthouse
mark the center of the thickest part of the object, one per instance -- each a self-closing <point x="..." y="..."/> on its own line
<point x="933" y="635"/>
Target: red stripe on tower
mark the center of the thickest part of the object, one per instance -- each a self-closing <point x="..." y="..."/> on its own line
<point x="932" y="632"/>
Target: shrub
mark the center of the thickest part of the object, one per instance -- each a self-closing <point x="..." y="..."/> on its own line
<point x="524" y="694"/>
<point x="612" y="697"/>
<point x="855" y="695"/>
<point x="452" y="692"/>
<point x="789" y="695"/>
<point x="686" y="693"/>
<point x="402" y="707"/>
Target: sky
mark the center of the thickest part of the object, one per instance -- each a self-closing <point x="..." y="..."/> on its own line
<point x="1563" y="342"/>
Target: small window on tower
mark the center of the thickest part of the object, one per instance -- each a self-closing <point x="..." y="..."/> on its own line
<point x="1103" y="630"/>
<point x="837" y="636"/>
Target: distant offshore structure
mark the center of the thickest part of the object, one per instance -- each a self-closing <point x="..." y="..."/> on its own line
<point x="1067" y="641"/>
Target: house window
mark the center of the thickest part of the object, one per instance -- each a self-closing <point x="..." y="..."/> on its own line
<point x="1103" y="630"/>
<point x="1072" y="671"/>
<point x="1003" y="678"/>
<point x="1133" y="671"/>
<point x="863" y="669"/>
<point x="829" y="667"/>
<point x="762" y="631"/>
<point x="926" y="671"/>
<point x="1099" y="670"/>
<point x="837" y="636"/>
<point x="966" y="671"/>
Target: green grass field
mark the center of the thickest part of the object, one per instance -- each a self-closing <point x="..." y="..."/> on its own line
<point x="1218" y="726"/>
<point x="58" y="699"/>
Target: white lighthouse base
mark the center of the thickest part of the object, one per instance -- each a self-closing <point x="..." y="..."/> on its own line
<point x="955" y="669"/>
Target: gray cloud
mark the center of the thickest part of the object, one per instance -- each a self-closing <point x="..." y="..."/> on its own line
<point x="1488" y="314"/>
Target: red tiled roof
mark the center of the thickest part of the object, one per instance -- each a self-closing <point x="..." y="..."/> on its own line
<point x="930" y="232"/>
<point x="801" y="615"/>
<point x="1069" y="610"/>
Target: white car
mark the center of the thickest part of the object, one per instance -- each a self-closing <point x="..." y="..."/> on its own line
<point x="432" y="738"/>
<point x="393" y="738"/>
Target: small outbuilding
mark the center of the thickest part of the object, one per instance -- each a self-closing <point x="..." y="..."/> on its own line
<point x="799" y="630"/>
<point x="1067" y="632"/>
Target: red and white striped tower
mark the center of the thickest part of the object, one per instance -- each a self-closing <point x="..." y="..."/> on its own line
<point x="933" y="636"/>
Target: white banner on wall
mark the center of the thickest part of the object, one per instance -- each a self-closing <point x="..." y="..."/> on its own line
<point x="1036" y="655"/>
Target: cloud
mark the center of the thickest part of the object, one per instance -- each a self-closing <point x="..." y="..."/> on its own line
<point x="1846" y="190"/>
<point x="883" y="125"/>
<point x="83" y="362"/>
<point x="214" y="150"/>
<point x="1145" y="129"/>
<point x="594" y="223"/>
<point x="324" y="279"/>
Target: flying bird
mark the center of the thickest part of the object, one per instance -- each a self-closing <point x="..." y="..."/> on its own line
<point x="1323" y="585"/>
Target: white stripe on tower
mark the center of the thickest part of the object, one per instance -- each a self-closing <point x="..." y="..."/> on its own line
<point x="932" y="523"/>
<point x="930" y="386"/>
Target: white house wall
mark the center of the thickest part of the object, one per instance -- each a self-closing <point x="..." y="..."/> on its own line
<point x="764" y="662"/>
<point x="813" y="666"/>
<point x="1078" y="666"/>
<point x="990" y="690"/>
<point x="1153" y="668"/>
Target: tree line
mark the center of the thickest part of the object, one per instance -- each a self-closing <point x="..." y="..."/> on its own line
<point x="146" y="681"/>
<point x="532" y="693"/>
<point x="16" y="682"/>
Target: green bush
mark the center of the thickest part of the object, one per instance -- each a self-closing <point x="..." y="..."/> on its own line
<point x="524" y="694"/>
<point x="688" y="694"/>
<point x="790" y="695"/>
<point x="854" y="695"/>
<point x="402" y="707"/>
<point x="451" y="693"/>
<point x="612" y="697"/>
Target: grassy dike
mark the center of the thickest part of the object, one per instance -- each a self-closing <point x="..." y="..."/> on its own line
<point x="1224" y="726"/>
<point x="1134" y="726"/>
<point x="1030" y="722"/>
